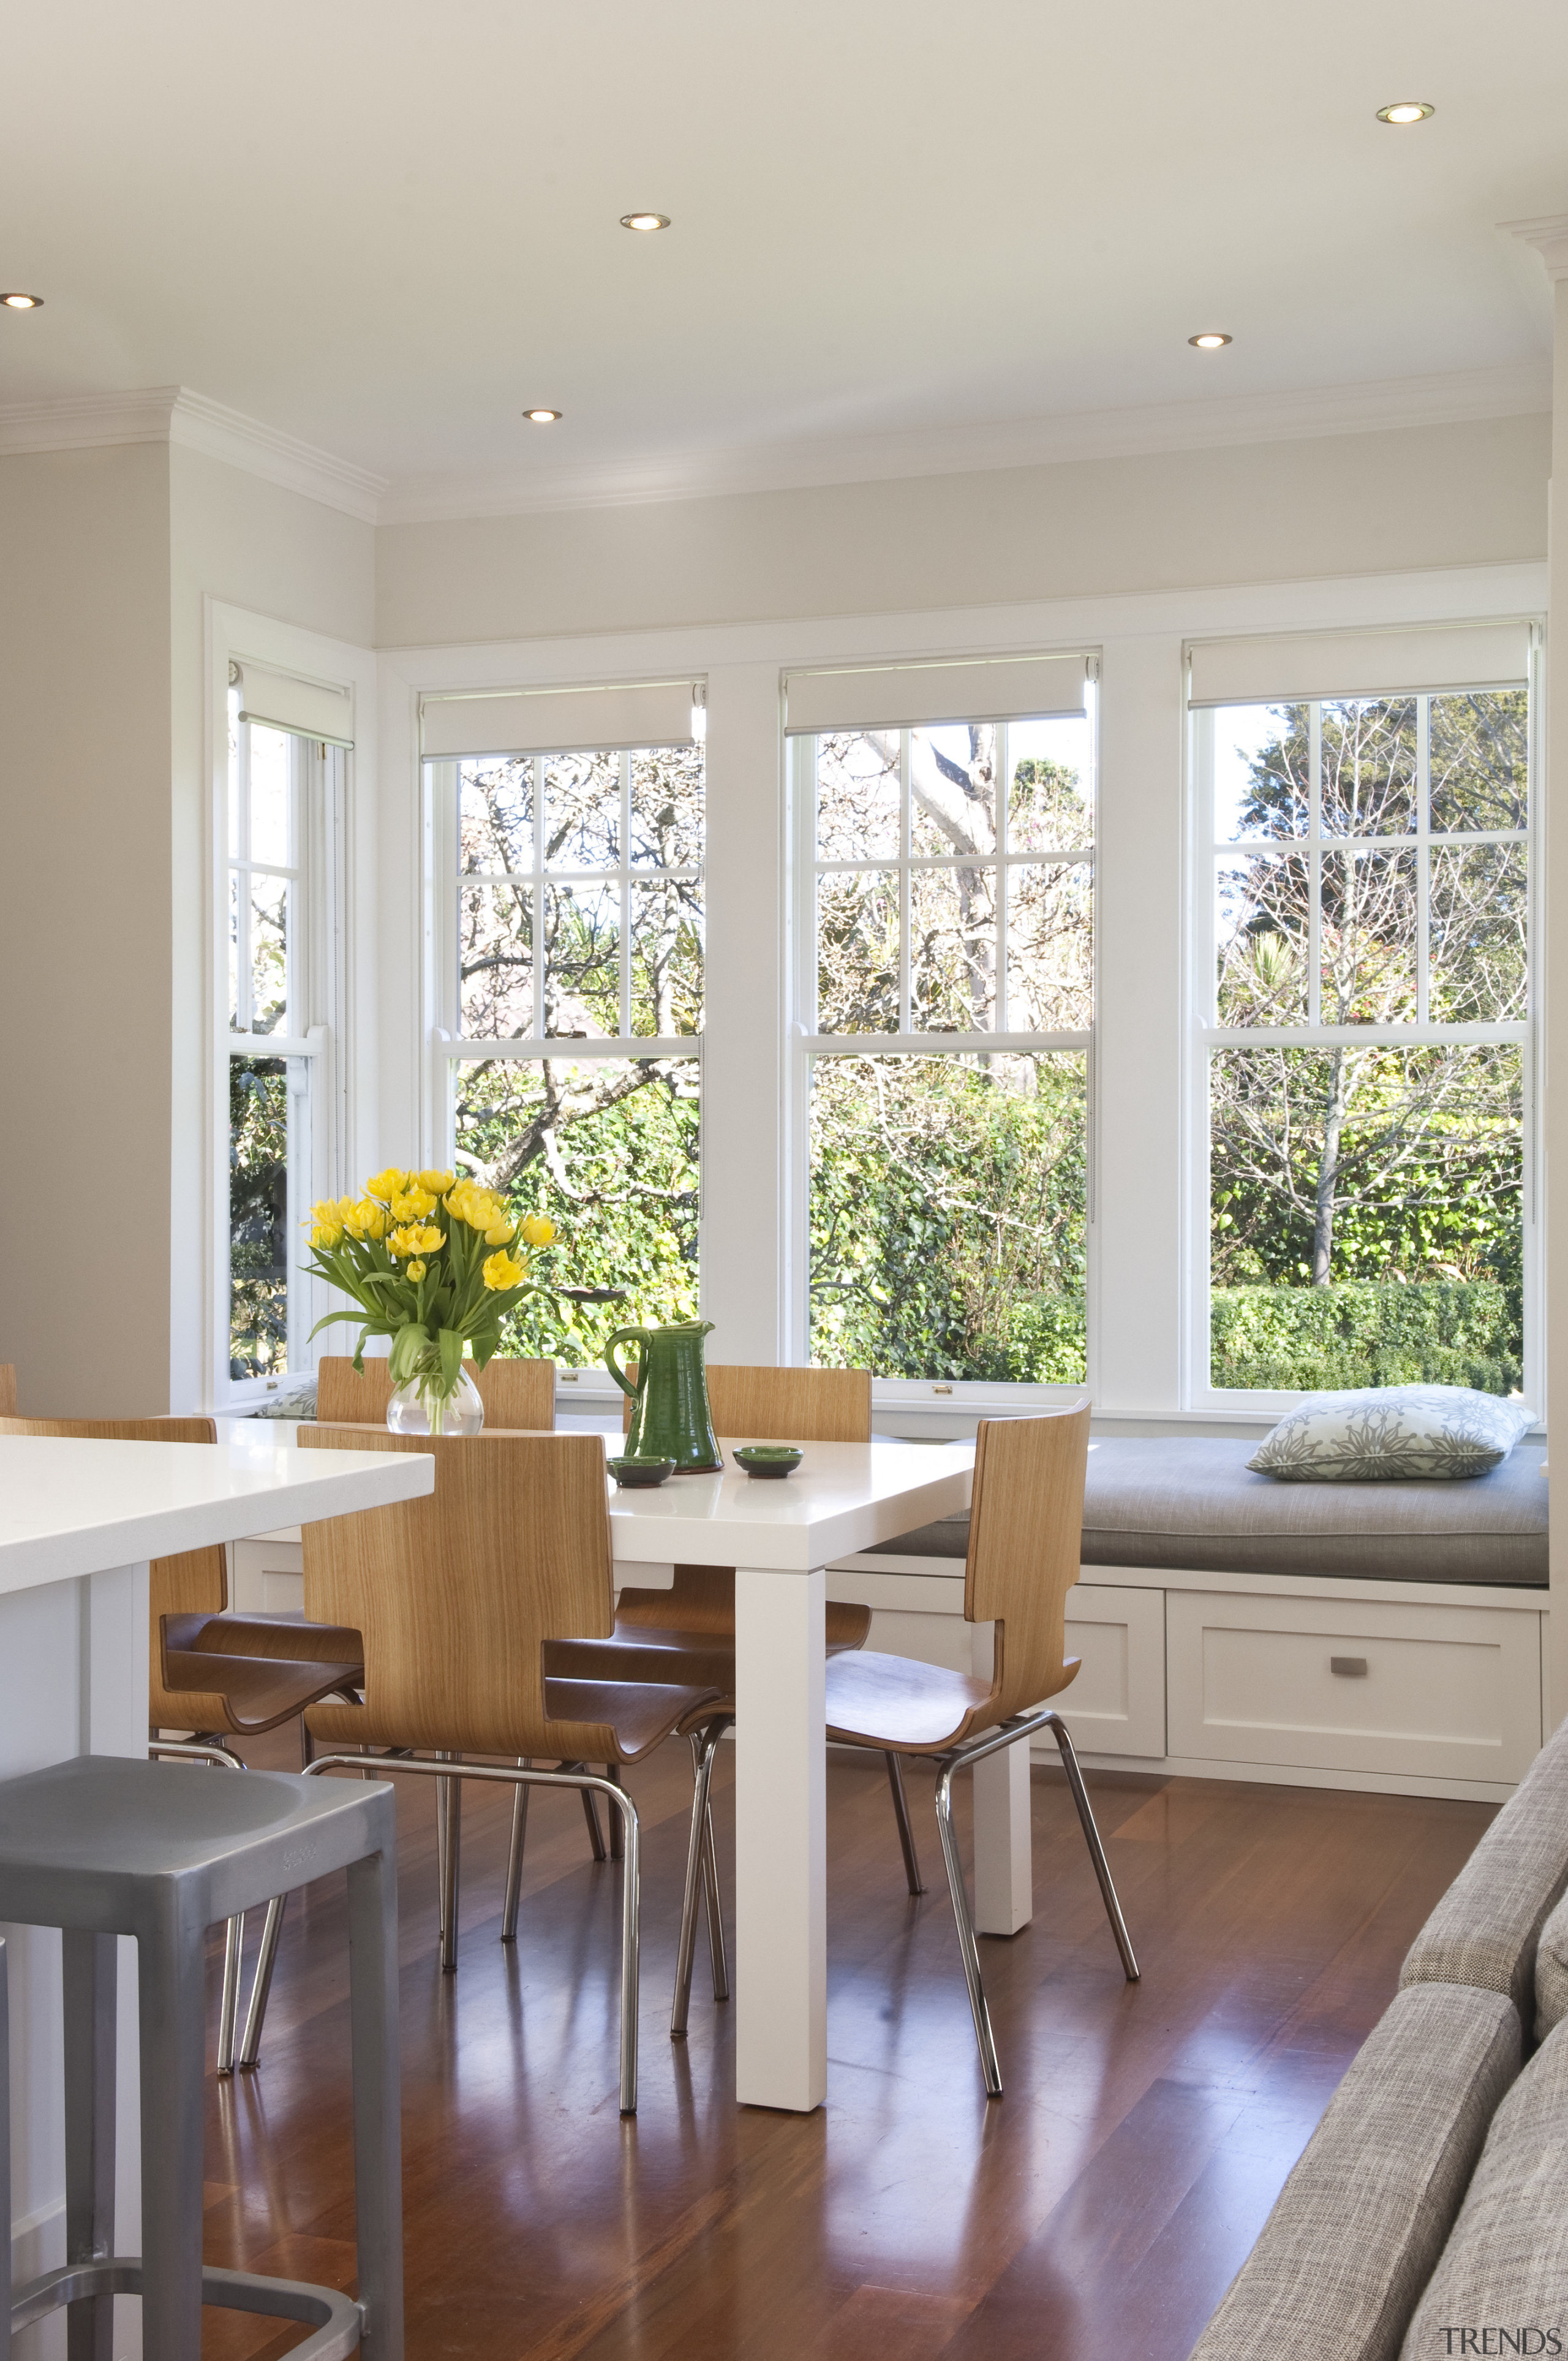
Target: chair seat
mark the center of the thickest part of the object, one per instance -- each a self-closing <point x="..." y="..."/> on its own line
<point x="643" y="1714"/>
<point x="585" y="1720"/>
<point x="288" y="1638"/>
<point x="256" y="1692"/>
<point x="906" y="1706"/>
<point x="688" y="1613"/>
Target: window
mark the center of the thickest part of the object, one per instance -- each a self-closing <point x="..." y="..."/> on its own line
<point x="279" y="861"/>
<point x="1364" y="1002"/>
<point x="944" y="986"/>
<point x="570" y="983"/>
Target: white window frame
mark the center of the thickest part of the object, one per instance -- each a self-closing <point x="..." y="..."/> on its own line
<point x="960" y="1397"/>
<point x="1206" y="1035"/>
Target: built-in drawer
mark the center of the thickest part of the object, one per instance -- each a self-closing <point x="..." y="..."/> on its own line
<point x="1434" y="1691"/>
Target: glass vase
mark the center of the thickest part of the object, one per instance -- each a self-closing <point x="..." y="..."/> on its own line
<point x="427" y="1405"/>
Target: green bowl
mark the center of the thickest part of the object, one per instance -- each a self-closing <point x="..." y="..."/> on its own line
<point x="634" y="1473"/>
<point x="769" y="1458"/>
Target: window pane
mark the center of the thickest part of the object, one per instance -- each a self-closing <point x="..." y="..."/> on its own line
<point x="1263" y="772"/>
<point x="1365" y="1210"/>
<point x="269" y="898"/>
<point x="1050" y="946"/>
<point x="666" y="958"/>
<point x="1368" y="938"/>
<point x="582" y="811"/>
<point x="271" y="801"/>
<point x="1050" y="807"/>
<point x="609" y="1149"/>
<point x="258" y="1216"/>
<point x="582" y="960"/>
<point x="1478" y="910"/>
<point x="857" y="951"/>
<point x="857" y="796"/>
<point x="1261" y="940"/>
<point x="495" y="961"/>
<point x="953" y="949"/>
<point x="1480" y="760"/>
<point x="947" y="1216"/>
<point x="667" y="808"/>
<point x="495" y="815"/>
<point x="952" y="789"/>
<point x="236" y="890"/>
<point x="1369" y="768"/>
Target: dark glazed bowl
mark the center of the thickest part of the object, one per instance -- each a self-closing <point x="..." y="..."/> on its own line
<point x="769" y="1458"/>
<point x="633" y="1473"/>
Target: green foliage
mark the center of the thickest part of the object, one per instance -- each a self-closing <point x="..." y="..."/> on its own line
<point x="947" y="1216"/>
<point x="1358" y="1333"/>
<point x="258" y="1216"/>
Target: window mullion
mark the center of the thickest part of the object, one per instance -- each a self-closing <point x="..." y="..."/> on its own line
<point x="536" y="897"/>
<point x="905" y="839"/>
<point x="1000" y="846"/>
<point x="1423" y="859"/>
<point x="625" y="876"/>
<point x="1315" y="864"/>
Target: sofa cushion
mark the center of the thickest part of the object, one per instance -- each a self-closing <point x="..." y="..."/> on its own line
<point x="1551" y="1973"/>
<point x="1485" y="1928"/>
<point x="1341" y="2262"/>
<point x="1382" y="1435"/>
<point x="1505" y="2262"/>
<point x="1191" y="1503"/>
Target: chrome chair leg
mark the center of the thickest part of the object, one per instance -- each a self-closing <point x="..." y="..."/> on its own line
<point x="707" y="1747"/>
<point x="1096" y="1848"/>
<point x="985" y="2039"/>
<point x="901" y="1814"/>
<point x="449" y="1852"/>
<point x="712" y="1901"/>
<point x="228" y="2008"/>
<point x="631" y="1919"/>
<point x="612" y="1773"/>
<point x="261" y="1984"/>
<point x="591" y="1812"/>
<point x="514" y="1856"/>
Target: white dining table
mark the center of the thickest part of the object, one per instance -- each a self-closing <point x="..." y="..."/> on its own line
<point x="780" y="1536"/>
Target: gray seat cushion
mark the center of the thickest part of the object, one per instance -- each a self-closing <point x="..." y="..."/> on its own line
<point x="1341" y="2262"/>
<point x="1505" y="2262"/>
<point x="1486" y="1926"/>
<point x="1192" y="1504"/>
<point x="1551" y="1973"/>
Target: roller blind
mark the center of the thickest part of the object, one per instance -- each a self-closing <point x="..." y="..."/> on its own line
<point x="886" y="697"/>
<point x="279" y="701"/>
<point x="554" y="720"/>
<point x="1272" y="671"/>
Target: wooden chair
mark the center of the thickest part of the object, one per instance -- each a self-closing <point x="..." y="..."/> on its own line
<point x="516" y="1394"/>
<point x="461" y="1597"/>
<point x="1026" y="1523"/>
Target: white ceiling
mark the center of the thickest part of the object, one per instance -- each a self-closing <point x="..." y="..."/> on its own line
<point x="899" y="225"/>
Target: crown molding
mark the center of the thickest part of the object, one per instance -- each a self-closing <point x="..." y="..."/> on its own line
<point x="1548" y="233"/>
<point x="1517" y="389"/>
<point x="172" y="414"/>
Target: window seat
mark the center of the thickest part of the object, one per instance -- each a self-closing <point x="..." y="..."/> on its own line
<point x="1193" y="1505"/>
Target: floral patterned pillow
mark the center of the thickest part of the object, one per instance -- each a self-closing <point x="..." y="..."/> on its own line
<point x="1382" y="1432"/>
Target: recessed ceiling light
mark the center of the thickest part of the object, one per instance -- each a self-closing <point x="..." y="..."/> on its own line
<point x="541" y="417"/>
<point x="22" y="303"/>
<point x="1406" y="110"/>
<point x="644" y="221"/>
<point x="1209" y="341"/>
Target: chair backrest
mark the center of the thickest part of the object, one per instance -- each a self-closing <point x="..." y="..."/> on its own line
<point x="454" y="1594"/>
<point x="8" y="1389"/>
<point x="786" y="1405"/>
<point x="515" y="1393"/>
<point x="1025" y="1544"/>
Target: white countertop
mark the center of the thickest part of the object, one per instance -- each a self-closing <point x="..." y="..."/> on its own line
<point x="70" y="1506"/>
<point x="844" y="1497"/>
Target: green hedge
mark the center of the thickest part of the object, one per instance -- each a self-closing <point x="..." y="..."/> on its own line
<point x="1362" y="1332"/>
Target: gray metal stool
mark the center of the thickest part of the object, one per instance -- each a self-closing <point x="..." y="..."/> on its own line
<point x="102" y="1846"/>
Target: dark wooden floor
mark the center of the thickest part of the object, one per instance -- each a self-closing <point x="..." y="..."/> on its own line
<point x="1100" y="2207"/>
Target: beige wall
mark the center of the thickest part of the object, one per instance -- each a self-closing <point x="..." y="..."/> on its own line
<point x="85" y="927"/>
<point x="246" y="543"/>
<point x="1343" y="504"/>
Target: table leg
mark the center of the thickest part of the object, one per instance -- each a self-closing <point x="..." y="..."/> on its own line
<point x="781" y="1840"/>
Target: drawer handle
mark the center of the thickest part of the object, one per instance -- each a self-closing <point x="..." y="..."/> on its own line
<point x="1349" y="1668"/>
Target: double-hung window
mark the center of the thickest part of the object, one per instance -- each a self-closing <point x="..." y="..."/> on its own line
<point x="1363" y="1001"/>
<point x="944" y="835"/>
<point x="286" y="742"/>
<point x="567" y="987"/>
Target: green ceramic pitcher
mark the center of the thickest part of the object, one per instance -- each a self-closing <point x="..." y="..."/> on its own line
<point x="670" y="1414"/>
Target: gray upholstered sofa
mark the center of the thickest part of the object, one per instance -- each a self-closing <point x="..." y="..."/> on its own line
<point x="1192" y="1503"/>
<point x="1433" y="2196"/>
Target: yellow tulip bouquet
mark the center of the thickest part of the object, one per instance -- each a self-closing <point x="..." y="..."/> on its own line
<point x="434" y="1262"/>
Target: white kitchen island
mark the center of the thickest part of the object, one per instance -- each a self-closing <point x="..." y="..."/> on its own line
<point x="79" y="1521"/>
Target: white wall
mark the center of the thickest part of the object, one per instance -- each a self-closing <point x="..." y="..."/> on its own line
<point x="86" y="927"/>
